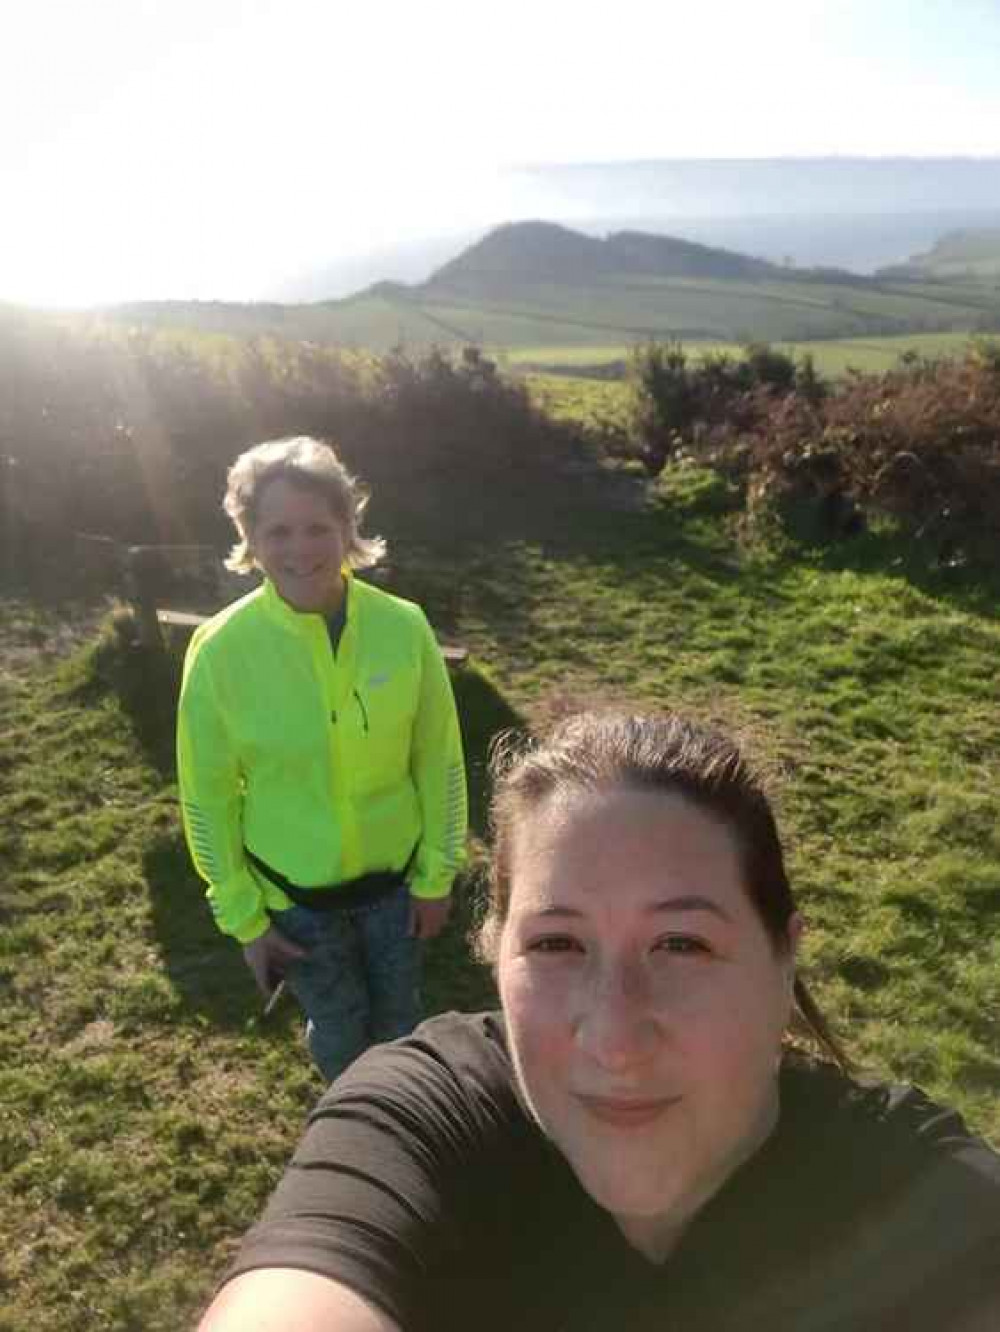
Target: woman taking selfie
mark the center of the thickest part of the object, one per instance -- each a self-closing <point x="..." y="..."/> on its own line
<point x="632" y="1142"/>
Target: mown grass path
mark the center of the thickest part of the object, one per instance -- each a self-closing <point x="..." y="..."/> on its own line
<point x="145" y="1112"/>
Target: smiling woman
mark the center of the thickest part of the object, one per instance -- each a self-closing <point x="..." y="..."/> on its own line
<point x="659" y="1007"/>
<point x="632" y="1142"/>
<point x="319" y="758"/>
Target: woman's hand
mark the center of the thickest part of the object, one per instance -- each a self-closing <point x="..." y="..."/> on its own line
<point x="428" y="915"/>
<point x="268" y="957"/>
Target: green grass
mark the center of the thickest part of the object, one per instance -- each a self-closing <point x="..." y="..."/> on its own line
<point x="594" y="403"/>
<point x="709" y="309"/>
<point x="147" y="1113"/>
<point x="566" y="390"/>
<point x="833" y="356"/>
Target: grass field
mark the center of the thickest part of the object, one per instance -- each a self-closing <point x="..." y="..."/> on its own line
<point x="833" y="356"/>
<point x="539" y="313"/>
<point x="566" y="390"/>
<point x="147" y="1113"/>
<point x="507" y="312"/>
<point x="597" y="403"/>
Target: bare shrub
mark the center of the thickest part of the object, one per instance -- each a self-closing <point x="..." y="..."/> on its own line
<point x="919" y="444"/>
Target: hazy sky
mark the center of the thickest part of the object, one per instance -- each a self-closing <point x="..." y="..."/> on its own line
<point x="153" y="148"/>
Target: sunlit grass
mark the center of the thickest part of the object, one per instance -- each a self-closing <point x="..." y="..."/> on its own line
<point x="833" y="356"/>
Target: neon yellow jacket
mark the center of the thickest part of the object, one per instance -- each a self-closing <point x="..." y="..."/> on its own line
<point x="325" y="766"/>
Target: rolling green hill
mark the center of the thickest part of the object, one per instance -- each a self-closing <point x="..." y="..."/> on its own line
<point x="537" y="284"/>
<point x="555" y="254"/>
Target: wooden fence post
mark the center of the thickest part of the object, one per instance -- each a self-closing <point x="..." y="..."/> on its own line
<point x="145" y="576"/>
<point x="9" y="518"/>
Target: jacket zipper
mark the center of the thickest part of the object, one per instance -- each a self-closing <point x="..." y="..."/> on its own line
<point x="364" y="710"/>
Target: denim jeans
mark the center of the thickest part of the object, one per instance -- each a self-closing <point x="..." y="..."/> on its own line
<point x="360" y="982"/>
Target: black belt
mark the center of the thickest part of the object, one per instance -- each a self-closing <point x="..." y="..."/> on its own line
<point x="359" y="892"/>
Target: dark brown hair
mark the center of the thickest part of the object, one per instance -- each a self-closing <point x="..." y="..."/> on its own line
<point x="595" y="751"/>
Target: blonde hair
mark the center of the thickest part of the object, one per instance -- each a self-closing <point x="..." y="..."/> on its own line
<point x="311" y="465"/>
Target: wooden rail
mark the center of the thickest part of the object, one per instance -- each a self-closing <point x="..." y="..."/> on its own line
<point x="453" y="654"/>
<point x="157" y="576"/>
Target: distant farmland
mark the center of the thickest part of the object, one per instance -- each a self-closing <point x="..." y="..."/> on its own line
<point x="541" y="286"/>
<point x="532" y="314"/>
<point x="833" y="356"/>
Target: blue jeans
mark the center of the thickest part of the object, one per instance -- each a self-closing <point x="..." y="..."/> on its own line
<point x="360" y="982"/>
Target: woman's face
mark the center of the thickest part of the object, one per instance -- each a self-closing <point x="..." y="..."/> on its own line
<point x="299" y="544"/>
<point x="644" y="1001"/>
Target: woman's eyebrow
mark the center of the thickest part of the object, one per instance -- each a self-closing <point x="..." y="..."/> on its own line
<point x="685" y="902"/>
<point x="691" y="902"/>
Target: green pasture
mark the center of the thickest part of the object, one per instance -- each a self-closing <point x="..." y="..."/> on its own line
<point x="833" y="357"/>
<point x="597" y="404"/>
<point x="147" y="1113"/>
<point x="707" y="309"/>
<point x="506" y="313"/>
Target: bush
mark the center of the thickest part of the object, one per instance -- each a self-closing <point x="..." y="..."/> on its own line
<point x="129" y="434"/>
<point x="677" y="404"/>
<point x="919" y="444"/>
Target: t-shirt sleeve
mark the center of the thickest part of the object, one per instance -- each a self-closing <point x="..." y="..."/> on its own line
<point x="382" y="1191"/>
<point x="918" y="1202"/>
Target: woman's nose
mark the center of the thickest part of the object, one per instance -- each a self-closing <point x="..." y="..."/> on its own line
<point x="617" y="1025"/>
<point x="299" y="544"/>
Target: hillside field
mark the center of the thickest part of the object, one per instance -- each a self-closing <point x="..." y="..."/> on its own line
<point x="614" y="312"/>
<point x="148" y="1113"/>
<point x="833" y="357"/>
<point x="589" y="384"/>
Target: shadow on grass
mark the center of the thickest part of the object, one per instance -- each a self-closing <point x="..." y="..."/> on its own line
<point x="483" y="713"/>
<point x="691" y="517"/>
<point x="145" y="683"/>
<point x="149" y="684"/>
<point x="206" y="969"/>
<point x="453" y="979"/>
<point x="970" y="587"/>
<point x="452" y="976"/>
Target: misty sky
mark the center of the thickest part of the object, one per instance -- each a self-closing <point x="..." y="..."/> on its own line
<point x="200" y="148"/>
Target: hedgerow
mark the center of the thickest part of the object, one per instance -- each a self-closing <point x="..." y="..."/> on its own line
<point x="919" y="445"/>
<point x="129" y="435"/>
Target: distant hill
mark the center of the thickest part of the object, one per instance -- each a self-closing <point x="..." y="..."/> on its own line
<point x="965" y="253"/>
<point x="552" y="253"/>
<point x="538" y="285"/>
<point x="855" y="213"/>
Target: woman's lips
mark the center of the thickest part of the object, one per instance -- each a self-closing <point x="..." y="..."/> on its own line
<point x="627" y="1112"/>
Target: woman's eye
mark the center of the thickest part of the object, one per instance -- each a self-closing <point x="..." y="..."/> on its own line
<point x="554" y="943"/>
<point x="684" y="945"/>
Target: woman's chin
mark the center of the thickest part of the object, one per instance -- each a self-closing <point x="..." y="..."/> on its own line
<point x="315" y="595"/>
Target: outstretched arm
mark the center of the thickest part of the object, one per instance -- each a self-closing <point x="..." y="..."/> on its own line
<point x="287" y="1299"/>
